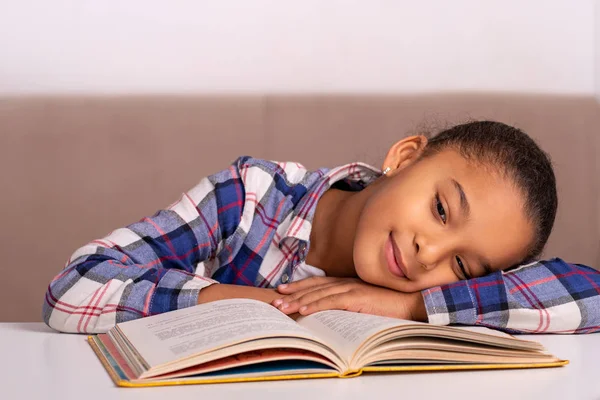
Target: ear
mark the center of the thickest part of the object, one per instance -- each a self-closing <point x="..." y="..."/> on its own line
<point x="404" y="153"/>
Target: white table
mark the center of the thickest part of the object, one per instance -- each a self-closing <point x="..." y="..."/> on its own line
<point x="38" y="363"/>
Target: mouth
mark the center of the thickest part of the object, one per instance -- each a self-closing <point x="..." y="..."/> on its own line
<point x="394" y="258"/>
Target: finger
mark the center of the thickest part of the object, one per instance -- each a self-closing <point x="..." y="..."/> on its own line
<point x="313" y="297"/>
<point x="296" y="295"/>
<point x="337" y="301"/>
<point x="294" y="316"/>
<point x="303" y="284"/>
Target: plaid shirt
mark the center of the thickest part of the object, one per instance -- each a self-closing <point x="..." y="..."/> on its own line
<point x="250" y="225"/>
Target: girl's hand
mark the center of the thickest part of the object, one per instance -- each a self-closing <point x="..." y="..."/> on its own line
<point x="326" y="293"/>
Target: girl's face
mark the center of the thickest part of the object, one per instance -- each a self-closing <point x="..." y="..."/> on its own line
<point x="438" y="220"/>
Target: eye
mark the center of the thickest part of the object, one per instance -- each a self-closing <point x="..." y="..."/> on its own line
<point x="440" y="208"/>
<point x="461" y="266"/>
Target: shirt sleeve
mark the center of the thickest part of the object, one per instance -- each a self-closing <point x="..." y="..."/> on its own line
<point x="543" y="297"/>
<point x="148" y="267"/>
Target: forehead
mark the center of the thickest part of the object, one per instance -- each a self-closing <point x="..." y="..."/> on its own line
<point x="451" y="162"/>
<point x="497" y="227"/>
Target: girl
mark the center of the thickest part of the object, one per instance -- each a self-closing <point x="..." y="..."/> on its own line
<point x="464" y="206"/>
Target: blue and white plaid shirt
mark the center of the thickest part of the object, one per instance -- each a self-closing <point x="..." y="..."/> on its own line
<point x="250" y="225"/>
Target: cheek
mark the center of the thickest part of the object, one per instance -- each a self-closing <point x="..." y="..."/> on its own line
<point x="502" y="239"/>
<point x="442" y="275"/>
<point x="389" y="211"/>
<point x="411" y="206"/>
<point x="372" y="232"/>
<point x="367" y="242"/>
<point x="426" y="280"/>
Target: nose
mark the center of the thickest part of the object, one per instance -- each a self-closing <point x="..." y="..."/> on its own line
<point x="431" y="252"/>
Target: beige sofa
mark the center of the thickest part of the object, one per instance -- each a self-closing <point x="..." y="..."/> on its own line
<point x="72" y="169"/>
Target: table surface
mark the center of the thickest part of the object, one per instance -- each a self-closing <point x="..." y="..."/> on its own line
<point x="40" y="363"/>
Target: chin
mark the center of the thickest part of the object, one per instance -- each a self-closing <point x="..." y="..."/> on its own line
<point x="374" y="273"/>
<point x="364" y="275"/>
<point x="365" y="266"/>
<point x="368" y="266"/>
<point x="370" y="271"/>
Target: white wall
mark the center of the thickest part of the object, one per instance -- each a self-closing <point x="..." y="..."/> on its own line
<point x="111" y="46"/>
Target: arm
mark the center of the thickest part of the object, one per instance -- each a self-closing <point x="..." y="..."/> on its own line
<point x="148" y="267"/>
<point x="224" y="291"/>
<point x="544" y="297"/>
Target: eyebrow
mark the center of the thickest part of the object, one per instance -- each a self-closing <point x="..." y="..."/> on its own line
<point x="466" y="209"/>
<point x="464" y="203"/>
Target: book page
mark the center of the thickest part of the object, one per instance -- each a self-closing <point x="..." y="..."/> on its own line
<point x="485" y="331"/>
<point x="348" y="330"/>
<point x="195" y="330"/>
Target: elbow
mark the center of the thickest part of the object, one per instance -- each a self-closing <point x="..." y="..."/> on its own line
<point x="55" y="316"/>
<point x="73" y="306"/>
<point x="62" y="317"/>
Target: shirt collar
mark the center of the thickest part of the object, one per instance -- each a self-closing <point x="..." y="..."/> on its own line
<point x="301" y="223"/>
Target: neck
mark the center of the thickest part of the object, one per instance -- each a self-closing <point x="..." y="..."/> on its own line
<point x="333" y="231"/>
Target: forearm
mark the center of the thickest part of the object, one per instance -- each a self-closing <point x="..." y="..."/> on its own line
<point x="419" y="311"/>
<point x="223" y="291"/>
<point x="545" y="297"/>
<point x="93" y="295"/>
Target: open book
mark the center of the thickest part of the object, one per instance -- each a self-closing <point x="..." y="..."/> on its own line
<point x="245" y="340"/>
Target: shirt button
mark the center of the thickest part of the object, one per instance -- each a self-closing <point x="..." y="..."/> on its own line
<point x="285" y="278"/>
<point x="302" y="247"/>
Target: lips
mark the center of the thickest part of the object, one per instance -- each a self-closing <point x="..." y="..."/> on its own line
<point x="394" y="258"/>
